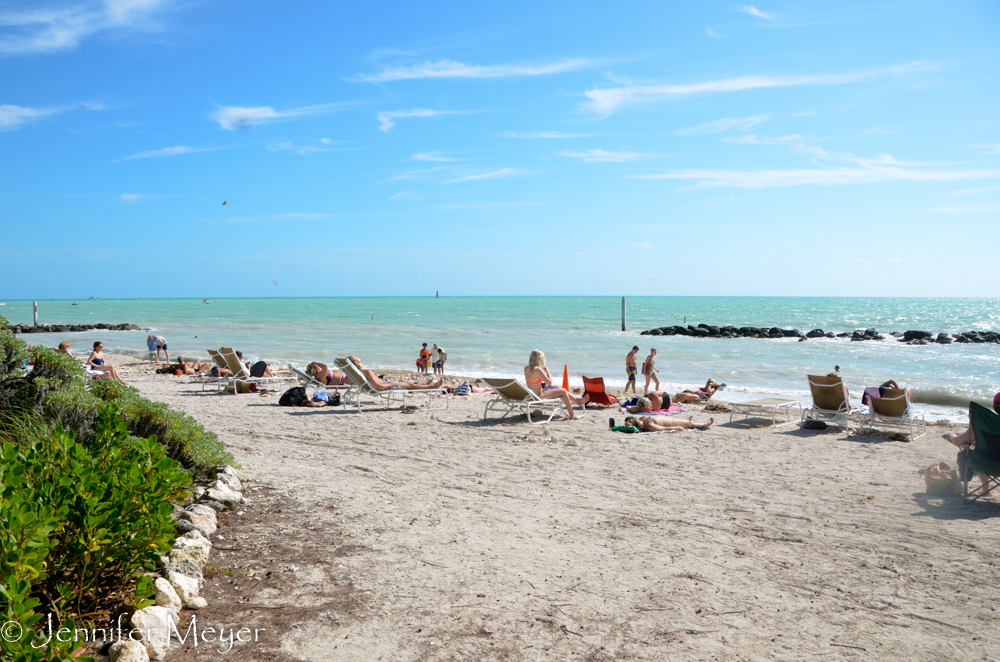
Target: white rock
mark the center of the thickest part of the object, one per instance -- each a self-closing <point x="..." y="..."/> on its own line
<point x="128" y="651"/>
<point x="192" y="545"/>
<point x="185" y="586"/>
<point x="230" y="481"/>
<point x="224" y="495"/>
<point x="166" y="596"/>
<point x="205" y="523"/>
<point x="197" y="492"/>
<point x="197" y="603"/>
<point x="202" y="510"/>
<point x="155" y="623"/>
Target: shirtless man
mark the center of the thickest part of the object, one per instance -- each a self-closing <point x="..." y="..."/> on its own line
<point x="631" y="369"/>
<point x="665" y="423"/>
<point x="380" y="385"/>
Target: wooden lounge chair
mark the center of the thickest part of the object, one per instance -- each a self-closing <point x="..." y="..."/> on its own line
<point x="830" y="401"/>
<point x="388" y="397"/>
<point x="893" y="408"/>
<point x="594" y="387"/>
<point x="513" y="396"/>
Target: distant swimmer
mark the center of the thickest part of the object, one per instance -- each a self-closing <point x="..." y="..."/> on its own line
<point x="206" y="301"/>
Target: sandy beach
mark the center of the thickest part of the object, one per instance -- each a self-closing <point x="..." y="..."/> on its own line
<point x="441" y="536"/>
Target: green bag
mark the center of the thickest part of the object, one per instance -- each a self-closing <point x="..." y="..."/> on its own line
<point x="625" y="428"/>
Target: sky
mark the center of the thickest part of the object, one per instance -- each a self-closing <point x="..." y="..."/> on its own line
<point x="200" y="148"/>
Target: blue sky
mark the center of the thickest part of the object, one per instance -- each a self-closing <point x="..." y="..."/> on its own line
<point x="785" y="148"/>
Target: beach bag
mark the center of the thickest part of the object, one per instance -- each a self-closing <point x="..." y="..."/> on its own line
<point x="258" y="369"/>
<point x="941" y="479"/>
<point x="630" y="429"/>
<point x="293" y="397"/>
<point x="463" y="389"/>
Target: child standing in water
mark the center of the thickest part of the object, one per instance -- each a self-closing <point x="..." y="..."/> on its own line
<point x="649" y="369"/>
<point x="630" y="368"/>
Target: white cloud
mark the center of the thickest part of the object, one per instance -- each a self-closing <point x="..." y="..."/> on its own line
<point x="167" y="151"/>
<point x="287" y="145"/>
<point x="753" y="11"/>
<point x="974" y="191"/>
<point x="503" y="172"/>
<point x="712" y="33"/>
<point x="605" y="101"/>
<point x="399" y="195"/>
<point x="453" y="69"/>
<point x="751" y="139"/>
<point x="12" y="117"/>
<point x="989" y="148"/>
<point x="546" y="134"/>
<point x="432" y="156"/>
<point x="131" y="197"/>
<point x="644" y="244"/>
<point x="602" y="156"/>
<point x="237" y="117"/>
<point x="968" y="209"/>
<point x="415" y="173"/>
<point x="387" y="118"/>
<point x="725" y="124"/>
<point x="54" y="29"/>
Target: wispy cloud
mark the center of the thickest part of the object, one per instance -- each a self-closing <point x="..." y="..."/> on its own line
<point x="287" y="145"/>
<point x="989" y="148"/>
<point x="432" y="156"/>
<point x="751" y="139"/>
<point x="503" y="172"/>
<point x="231" y="118"/>
<point x="131" y="197"/>
<point x="13" y="117"/>
<point x="387" y="118"/>
<point x="461" y="206"/>
<point x="452" y="69"/>
<point x="167" y="151"/>
<point x="753" y="11"/>
<point x="546" y="134"/>
<point x="605" y="101"/>
<point x="725" y="124"/>
<point x="971" y="209"/>
<point x="643" y="244"/>
<point x="54" y="29"/>
<point x="712" y="33"/>
<point x="415" y="173"/>
<point x="974" y="191"/>
<point x="602" y="156"/>
<point x="399" y="195"/>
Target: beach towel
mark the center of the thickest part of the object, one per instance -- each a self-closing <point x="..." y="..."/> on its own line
<point x="674" y="409"/>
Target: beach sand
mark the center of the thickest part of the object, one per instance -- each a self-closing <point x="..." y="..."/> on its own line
<point x="440" y="536"/>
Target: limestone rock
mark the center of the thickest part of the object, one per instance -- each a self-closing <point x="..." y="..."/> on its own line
<point x="214" y="505"/>
<point x="166" y="596"/>
<point x="128" y="651"/>
<point x="205" y="524"/>
<point x="187" y="588"/>
<point x="185" y="526"/>
<point x="193" y="546"/>
<point x="186" y="567"/>
<point x="231" y="481"/>
<point x="197" y="603"/>
<point x="219" y="492"/>
<point x="155" y="623"/>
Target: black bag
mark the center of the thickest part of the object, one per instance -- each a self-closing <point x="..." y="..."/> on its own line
<point x="334" y="399"/>
<point x="293" y="397"/>
<point x="257" y="369"/>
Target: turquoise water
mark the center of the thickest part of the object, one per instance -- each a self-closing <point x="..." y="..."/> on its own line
<point x="493" y="336"/>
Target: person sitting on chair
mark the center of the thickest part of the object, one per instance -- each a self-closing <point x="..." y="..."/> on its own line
<point x="967" y="441"/>
<point x="539" y="380"/>
<point x="324" y="375"/>
<point x="704" y="393"/>
<point x="97" y="363"/>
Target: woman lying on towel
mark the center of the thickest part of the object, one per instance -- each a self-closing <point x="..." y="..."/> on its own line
<point x="665" y="423"/>
<point x="324" y="375"/>
<point x="704" y="393"/>
<point x="539" y="380"/>
<point x="381" y="385"/>
<point x="652" y="401"/>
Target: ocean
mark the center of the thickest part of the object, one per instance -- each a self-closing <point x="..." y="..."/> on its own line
<point x="492" y="336"/>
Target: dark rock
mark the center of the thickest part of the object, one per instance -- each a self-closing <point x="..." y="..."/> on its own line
<point x="916" y="335"/>
<point x="943" y="339"/>
<point x="830" y="334"/>
<point x="213" y="504"/>
<point x="713" y="330"/>
<point x="961" y="339"/>
<point x="701" y="333"/>
<point x="653" y="332"/>
<point x="857" y="335"/>
<point x="802" y="339"/>
<point x="683" y="330"/>
<point x="183" y="526"/>
<point x="702" y="326"/>
<point x="815" y="333"/>
<point x="843" y="335"/>
<point x="977" y="339"/>
<point x="791" y="333"/>
<point x="919" y="341"/>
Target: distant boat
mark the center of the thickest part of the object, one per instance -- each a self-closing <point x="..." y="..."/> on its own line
<point x="206" y="301"/>
<point x="2" y="303"/>
<point x="91" y="297"/>
<point x="75" y="303"/>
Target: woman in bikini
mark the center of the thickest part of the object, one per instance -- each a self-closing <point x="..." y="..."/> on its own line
<point x="324" y="375"/>
<point x="381" y="385"/>
<point x="98" y="364"/>
<point x="665" y="423"/>
<point x="649" y="370"/>
<point x="704" y="393"/>
<point x="539" y="380"/>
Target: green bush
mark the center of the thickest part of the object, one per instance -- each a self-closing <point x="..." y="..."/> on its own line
<point x="185" y="440"/>
<point x="83" y="519"/>
<point x="3" y="322"/>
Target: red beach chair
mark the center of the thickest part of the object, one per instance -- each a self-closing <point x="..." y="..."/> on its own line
<point x="594" y="387"/>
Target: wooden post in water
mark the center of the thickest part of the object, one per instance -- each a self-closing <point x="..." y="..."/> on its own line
<point x="623" y="313"/>
<point x="35" y="303"/>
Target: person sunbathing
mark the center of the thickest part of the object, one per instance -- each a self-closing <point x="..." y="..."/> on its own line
<point x="665" y="423"/>
<point x="380" y="385"/>
<point x="97" y="363"/>
<point x="184" y="367"/>
<point x="539" y="380"/>
<point x="967" y="441"/>
<point x="704" y="393"/>
<point x="652" y="401"/>
<point x="324" y="375"/>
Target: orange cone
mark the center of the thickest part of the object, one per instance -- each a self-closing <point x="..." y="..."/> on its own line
<point x="566" y="376"/>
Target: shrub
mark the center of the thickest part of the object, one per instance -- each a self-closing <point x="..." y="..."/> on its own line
<point x="83" y="519"/>
<point x="185" y="440"/>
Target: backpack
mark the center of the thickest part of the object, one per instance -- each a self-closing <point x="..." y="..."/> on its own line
<point x="293" y="397"/>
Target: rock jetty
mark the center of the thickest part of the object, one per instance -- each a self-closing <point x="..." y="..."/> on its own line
<point x="70" y="328"/>
<point x="908" y="337"/>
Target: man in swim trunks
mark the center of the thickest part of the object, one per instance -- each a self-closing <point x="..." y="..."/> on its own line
<point x="631" y="369"/>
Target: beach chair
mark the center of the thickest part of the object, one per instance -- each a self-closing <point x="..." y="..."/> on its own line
<point x="239" y="375"/>
<point x="893" y="408"/>
<point x="513" y="396"/>
<point x="208" y="379"/>
<point x="830" y="401"/>
<point x="388" y="397"/>
<point x="307" y="380"/>
<point x="594" y="387"/>
<point x="985" y="457"/>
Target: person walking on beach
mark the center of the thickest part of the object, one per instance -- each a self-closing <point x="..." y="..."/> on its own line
<point x="649" y="369"/>
<point x="631" y="369"/>
<point x="155" y="344"/>
<point x="434" y="358"/>
<point x="425" y="356"/>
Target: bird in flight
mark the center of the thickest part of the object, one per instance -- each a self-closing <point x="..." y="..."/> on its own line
<point x="224" y="202"/>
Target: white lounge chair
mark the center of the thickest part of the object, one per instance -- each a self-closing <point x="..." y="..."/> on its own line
<point x="513" y="396"/>
<point x="830" y="401"/>
<point x="239" y="375"/>
<point x="388" y="397"/>
<point x="894" y="408"/>
<point x="307" y="380"/>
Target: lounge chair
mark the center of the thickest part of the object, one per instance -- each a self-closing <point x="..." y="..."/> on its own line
<point x="307" y="380"/>
<point x="594" y="387"/>
<point x="985" y="458"/>
<point x="513" y="396"/>
<point x="830" y="401"/>
<point x="388" y="397"/>
<point x="893" y="408"/>
<point x="239" y="375"/>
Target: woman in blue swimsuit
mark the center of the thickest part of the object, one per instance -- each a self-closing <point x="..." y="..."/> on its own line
<point x="97" y="363"/>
